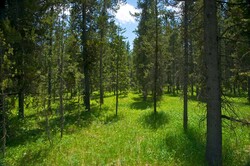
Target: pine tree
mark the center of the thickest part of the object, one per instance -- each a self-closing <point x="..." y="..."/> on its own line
<point x="214" y="128"/>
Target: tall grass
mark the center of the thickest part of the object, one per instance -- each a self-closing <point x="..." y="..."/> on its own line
<point x="135" y="137"/>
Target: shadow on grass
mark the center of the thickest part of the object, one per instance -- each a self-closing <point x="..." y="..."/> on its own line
<point x="243" y="95"/>
<point x="22" y="137"/>
<point x="154" y="120"/>
<point x="73" y="120"/>
<point x="112" y="118"/>
<point x="22" y="131"/>
<point x="96" y="96"/>
<point x="139" y="104"/>
<point x="71" y="106"/>
<point x="30" y="129"/>
<point x="34" y="157"/>
<point x="83" y="119"/>
<point x="189" y="147"/>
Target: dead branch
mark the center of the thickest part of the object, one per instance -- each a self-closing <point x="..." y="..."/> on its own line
<point x="242" y="121"/>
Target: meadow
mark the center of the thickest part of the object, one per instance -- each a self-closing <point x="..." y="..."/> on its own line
<point x="136" y="136"/>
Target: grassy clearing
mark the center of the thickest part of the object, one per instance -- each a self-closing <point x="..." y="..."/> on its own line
<point x="135" y="137"/>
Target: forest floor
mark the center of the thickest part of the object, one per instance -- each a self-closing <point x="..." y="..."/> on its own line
<point x="135" y="137"/>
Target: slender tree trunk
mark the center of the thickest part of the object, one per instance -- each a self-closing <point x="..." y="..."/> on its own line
<point x="173" y="74"/>
<point x="21" y="103"/>
<point x="101" y="74"/>
<point x="61" y="100"/>
<point x="117" y="78"/>
<point x="212" y="61"/>
<point x="145" y="93"/>
<point x="191" y="68"/>
<point x="197" y="91"/>
<point x="85" y="57"/>
<point x="177" y="86"/>
<point x="103" y="21"/>
<point x="185" y="72"/>
<point x="46" y="113"/>
<point x="50" y="66"/>
<point x="248" y="80"/>
<point x="61" y="79"/>
<point x="234" y="88"/>
<point x="3" y="118"/>
<point x="1" y="79"/>
<point x="238" y="88"/>
<point x="2" y="107"/>
<point x="21" y="86"/>
<point x="2" y="97"/>
<point x="156" y="57"/>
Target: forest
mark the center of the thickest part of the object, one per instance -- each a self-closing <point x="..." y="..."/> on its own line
<point x="74" y="91"/>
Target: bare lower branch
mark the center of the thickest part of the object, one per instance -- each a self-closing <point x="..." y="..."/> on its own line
<point x="233" y="4"/>
<point x="242" y="121"/>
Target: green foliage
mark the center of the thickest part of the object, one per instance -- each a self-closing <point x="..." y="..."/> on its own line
<point x="39" y="46"/>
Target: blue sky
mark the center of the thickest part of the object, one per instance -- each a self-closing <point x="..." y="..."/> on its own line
<point x="126" y="21"/>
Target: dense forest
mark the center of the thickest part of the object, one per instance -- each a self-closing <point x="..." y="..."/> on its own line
<point x="74" y="92"/>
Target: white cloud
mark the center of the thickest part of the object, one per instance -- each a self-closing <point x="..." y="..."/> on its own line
<point x="123" y="15"/>
<point x="177" y="8"/>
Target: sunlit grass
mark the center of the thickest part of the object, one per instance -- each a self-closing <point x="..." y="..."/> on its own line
<point x="135" y="137"/>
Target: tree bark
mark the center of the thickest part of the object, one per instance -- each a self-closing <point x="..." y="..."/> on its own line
<point x="248" y="80"/>
<point x="3" y="120"/>
<point x="156" y="57"/>
<point x="185" y="72"/>
<point x="117" y="77"/>
<point x="49" y="65"/>
<point x="103" y="24"/>
<point x="61" y="60"/>
<point x="191" y="68"/>
<point x="2" y="109"/>
<point x="1" y="79"/>
<point x="21" y="103"/>
<point x="2" y="97"/>
<point x="20" y="62"/>
<point x="85" y="57"/>
<point x="213" y="89"/>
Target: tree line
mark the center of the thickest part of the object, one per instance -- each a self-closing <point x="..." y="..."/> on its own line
<point x="56" y="50"/>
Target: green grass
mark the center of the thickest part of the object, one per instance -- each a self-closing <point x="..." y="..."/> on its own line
<point x="135" y="137"/>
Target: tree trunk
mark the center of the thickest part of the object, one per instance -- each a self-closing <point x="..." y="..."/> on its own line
<point x="212" y="61"/>
<point x="50" y="66"/>
<point x="21" y="103"/>
<point x="103" y="22"/>
<point x="117" y="77"/>
<point x="234" y="88"/>
<point x="185" y="72"/>
<point x="177" y="86"/>
<point x="156" y="57"/>
<point x="1" y="79"/>
<point x="85" y="58"/>
<point x="191" y="68"/>
<point x="2" y="107"/>
<point x="3" y="120"/>
<point x="61" y="78"/>
<point x="145" y="94"/>
<point x="46" y="113"/>
<point x="61" y="102"/>
<point x="174" y="72"/>
<point x="248" y="80"/>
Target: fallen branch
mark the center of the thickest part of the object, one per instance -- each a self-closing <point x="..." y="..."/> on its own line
<point x="242" y="121"/>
